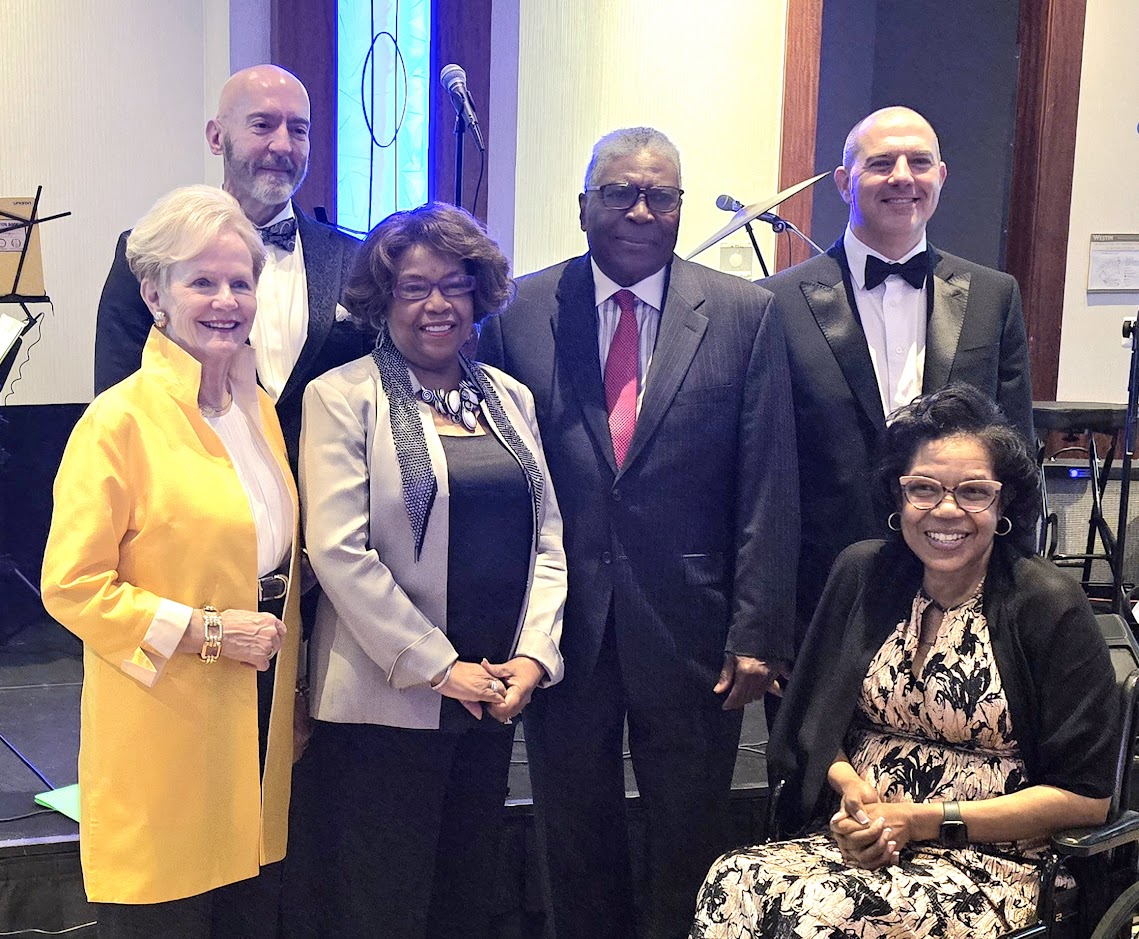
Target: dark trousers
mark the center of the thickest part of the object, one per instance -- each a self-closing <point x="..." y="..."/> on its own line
<point x="395" y="833"/>
<point x="246" y="909"/>
<point x="683" y="758"/>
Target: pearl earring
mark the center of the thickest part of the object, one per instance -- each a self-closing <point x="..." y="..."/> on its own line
<point x="160" y="319"/>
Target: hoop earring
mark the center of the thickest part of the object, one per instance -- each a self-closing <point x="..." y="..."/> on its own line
<point x="160" y="319"/>
<point x="1008" y="525"/>
<point x="894" y="521"/>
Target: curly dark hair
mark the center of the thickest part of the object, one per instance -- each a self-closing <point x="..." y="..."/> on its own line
<point x="441" y="227"/>
<point x="960" y="410"/>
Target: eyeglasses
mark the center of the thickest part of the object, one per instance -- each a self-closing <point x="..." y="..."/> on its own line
<point x="457" y="286"/>
<point x="974" y="495"/>
<point x="625" y="196"/>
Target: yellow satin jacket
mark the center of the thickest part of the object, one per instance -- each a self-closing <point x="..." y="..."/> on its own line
<point x="148" y="506"/>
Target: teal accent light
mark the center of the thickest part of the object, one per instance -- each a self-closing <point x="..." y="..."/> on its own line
<point x="383" y="82"/>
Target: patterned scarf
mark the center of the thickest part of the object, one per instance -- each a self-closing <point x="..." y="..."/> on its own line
<point x="416" y="475"/>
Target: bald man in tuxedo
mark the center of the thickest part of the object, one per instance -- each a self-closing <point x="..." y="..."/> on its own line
<point x="880" y="318"/>
<point x="261" y="132"/>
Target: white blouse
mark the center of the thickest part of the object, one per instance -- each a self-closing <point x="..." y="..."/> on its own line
<point x="272" y="510"/>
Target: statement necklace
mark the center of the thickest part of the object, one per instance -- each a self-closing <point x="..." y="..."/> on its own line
<point x="460" y="406"/>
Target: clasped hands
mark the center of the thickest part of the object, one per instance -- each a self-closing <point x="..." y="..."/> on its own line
<point x="870" y="834"/>
<point x="504" y="689"/>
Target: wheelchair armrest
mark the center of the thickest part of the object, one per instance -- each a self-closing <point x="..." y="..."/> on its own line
<point x="1038" y="931"/>
<point x="1087" y="842"/>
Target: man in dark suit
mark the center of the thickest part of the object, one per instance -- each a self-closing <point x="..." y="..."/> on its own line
<point x="262" y="133"/>
<point x="864" y="338"/>
<point x="664" y="406"/>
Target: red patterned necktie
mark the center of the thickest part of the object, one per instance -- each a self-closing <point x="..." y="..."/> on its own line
<point x="621" y="368"/>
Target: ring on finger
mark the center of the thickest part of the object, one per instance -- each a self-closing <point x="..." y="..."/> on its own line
<point x="494" y="686"/>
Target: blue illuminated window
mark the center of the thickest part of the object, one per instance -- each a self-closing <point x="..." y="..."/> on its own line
<point x="383" y="81"/>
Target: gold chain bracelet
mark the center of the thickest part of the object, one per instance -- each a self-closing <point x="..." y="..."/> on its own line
<point x="211" y="647"/>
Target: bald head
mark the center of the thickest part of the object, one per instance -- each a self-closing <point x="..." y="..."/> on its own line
<point x="891" y="177"/>
<point x="883" y="119"/>
<point x="262" y="132"/>
<point x="256" y="82"/>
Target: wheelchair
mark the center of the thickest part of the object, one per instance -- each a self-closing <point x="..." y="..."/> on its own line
<point x="1104" y="859"/>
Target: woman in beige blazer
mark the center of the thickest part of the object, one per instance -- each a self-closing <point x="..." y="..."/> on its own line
<point x="172" y="547"/>
<point x="433" y="529"/>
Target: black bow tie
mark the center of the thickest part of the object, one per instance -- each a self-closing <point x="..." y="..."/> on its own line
<point x="282" y="235"/>
<point x="914" y="270"/>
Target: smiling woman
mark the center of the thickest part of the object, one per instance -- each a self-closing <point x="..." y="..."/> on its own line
<point x="171" y="553"/>
<point x="953" y="705"/>
<point x="432" y="526"/>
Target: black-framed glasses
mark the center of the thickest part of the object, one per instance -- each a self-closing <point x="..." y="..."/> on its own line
<point x="973" y="495"/>
<point x="625" y="196"/>
<point x="418" y="289"/>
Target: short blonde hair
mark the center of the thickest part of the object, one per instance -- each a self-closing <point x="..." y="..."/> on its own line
<point x="181" y="225"/>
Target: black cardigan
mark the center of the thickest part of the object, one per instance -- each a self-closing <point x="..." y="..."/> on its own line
<point x="1052" y="659"/>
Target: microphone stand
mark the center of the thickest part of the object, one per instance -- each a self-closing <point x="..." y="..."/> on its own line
<point x="460" y="140"/>
<point x="746" y="214"/>
<point x="1119" y="602"/>
<point x="779" y="225"/>
<point x="755" y="244"/>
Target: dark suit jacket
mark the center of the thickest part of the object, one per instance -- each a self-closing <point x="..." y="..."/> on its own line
<point x="124" y="322"/>
<point x="975" y="334"/>
<point x="1053" y="662"/>
<point x="694" y="541"/>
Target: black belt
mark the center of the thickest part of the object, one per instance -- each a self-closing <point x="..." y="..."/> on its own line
<point x="272" y="587"/>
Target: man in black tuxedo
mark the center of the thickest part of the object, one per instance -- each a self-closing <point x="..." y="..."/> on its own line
<point x="663" y="401"/>
<point x="262" y="133"/>
<point x="865" y="337"/>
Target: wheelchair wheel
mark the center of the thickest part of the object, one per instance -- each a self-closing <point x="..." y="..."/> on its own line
<point x="1119" y="921"/>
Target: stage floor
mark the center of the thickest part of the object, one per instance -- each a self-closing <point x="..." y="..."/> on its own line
<point x="41" y="674"/>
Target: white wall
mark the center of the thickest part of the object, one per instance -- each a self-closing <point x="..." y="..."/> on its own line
<point x="708" y="74"/>
<point x="1105" y="200"/>
<point x="104" y="103"/>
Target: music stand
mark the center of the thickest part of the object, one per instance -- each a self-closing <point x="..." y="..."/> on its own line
<point x="23" y="287"/>
<point x="18" y="227"/>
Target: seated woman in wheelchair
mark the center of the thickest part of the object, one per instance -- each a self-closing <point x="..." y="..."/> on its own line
<point x="954" y="699"/>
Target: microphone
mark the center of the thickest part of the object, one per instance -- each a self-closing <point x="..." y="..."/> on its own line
<point x="454" y="79"/>
<point x="728" y="204"/>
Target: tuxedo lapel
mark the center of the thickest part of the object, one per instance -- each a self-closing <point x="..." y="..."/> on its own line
<point x="831" y="306"/>
<point x="950" y="297"/>
<point x="681" y="329"/>
<point x="321" y="276"/>
<point x="575" y="335"/>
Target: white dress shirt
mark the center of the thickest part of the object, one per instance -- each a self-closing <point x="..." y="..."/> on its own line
<point x="893" y="318"/>
<point x="650" y="298"/>
<point x="281" y="326"/>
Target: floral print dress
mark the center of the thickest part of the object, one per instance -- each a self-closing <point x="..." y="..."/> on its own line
<point x="943" y="733"/>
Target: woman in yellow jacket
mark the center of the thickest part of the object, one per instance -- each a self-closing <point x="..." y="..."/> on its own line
<point x="172" y="547"/>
